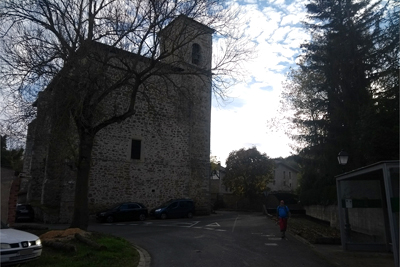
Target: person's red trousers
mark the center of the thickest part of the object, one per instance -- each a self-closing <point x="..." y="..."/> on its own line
<point x="283" y="224"/>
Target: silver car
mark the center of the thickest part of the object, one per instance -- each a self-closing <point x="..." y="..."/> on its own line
<point x="18" y="246"/>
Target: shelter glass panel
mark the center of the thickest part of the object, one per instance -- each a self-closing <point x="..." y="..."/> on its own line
<point x="394" y="201"/>
<point x="362" y="206"/>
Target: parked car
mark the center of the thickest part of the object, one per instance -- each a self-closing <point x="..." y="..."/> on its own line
<point x="24" y="212"/>
<point x="123" y="212"/>
<point x="18" y="246"/>
<point x="174" y="208"/>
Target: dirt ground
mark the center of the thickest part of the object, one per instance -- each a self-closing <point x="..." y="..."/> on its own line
<point x="312" y="230"/>
<point x="62" y="234"/>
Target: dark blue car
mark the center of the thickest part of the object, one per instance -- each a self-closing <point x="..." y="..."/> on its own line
<point x="174" y="208"/>
<point x="123" y="212"/>
<point x="24" y="212"/>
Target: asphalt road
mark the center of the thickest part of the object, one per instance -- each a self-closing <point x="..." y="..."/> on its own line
<point x="225" y="239"/>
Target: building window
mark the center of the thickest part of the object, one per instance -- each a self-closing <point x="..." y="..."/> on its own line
<point x="284" y="175"/>
<point x="136" y="149"/>
<point x="196" y="54"/>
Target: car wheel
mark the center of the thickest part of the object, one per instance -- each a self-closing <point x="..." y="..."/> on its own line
<point x="142" y="217"/>
<point x="163" y="216"/>
<point x="110" y="219"/>
<point x="190" y="215"/>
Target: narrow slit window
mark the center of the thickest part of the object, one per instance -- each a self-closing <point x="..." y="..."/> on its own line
<point x="196" y="54"/>
<point x="136" y="149"/>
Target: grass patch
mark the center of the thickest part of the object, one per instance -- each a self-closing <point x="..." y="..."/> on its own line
<point x="119" y="252"/>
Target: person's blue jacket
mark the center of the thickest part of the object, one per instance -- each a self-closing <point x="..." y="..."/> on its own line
<point x="282" y="211"/>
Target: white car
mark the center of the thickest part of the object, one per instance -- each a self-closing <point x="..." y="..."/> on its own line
<point x="18" y="246"/>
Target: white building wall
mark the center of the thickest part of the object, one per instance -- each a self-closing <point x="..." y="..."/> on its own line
<point x="285" y="178"/>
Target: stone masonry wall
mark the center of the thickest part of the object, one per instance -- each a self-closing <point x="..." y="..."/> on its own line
<point x="174" y="129"/>
<point x="174" y="160"/>
<point x="36" y="155"/>
<point x="367" y="221"/>
<point x="325" y="213"/>
<point x="175" y="136"/>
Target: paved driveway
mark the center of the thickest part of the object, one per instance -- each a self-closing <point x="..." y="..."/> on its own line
<point x="225" y="239"/>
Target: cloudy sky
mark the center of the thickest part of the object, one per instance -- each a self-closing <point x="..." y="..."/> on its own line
<point x="242" y="122"/>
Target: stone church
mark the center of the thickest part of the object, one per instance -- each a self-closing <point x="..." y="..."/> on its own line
<point x="158" y="154"/>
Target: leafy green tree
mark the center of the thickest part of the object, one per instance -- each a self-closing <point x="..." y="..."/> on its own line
<point x="214" y="163"/>
<point x="248" y="172"/>
<point x="343" y="95"/>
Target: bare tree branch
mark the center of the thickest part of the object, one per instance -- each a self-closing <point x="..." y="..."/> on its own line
<point x="88" y="51"/>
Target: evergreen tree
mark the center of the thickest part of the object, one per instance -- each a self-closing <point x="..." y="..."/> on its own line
<point x="344" y="91"/>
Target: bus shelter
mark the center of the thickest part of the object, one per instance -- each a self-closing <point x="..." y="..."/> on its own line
<point x="368" y="201"/>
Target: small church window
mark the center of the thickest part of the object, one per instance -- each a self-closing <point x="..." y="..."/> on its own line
<point x="136" y="149"/>
<point x="196" y="54"/>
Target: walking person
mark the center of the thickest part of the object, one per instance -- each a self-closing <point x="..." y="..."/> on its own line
<point x="283" y="213"/>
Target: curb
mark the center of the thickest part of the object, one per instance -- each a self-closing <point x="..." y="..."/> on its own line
<point x="302" y="240"/>
<point x="315" y="250"/>
<point x="145" y="258"/>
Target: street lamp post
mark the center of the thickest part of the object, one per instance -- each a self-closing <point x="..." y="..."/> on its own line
<point x="216" y="172"/>
<point x="343" y="157"/>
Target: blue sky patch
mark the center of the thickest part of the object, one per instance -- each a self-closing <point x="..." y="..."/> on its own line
<point x="267" y="88"/>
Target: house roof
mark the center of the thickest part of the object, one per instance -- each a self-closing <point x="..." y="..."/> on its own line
<point x="278" y="162"/>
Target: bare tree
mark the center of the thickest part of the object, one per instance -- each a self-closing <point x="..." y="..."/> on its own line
<point x="46" y="42"/>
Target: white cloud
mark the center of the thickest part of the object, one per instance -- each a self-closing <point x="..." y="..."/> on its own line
<point x="243" y="123"/>
<point x="290" y="20"/>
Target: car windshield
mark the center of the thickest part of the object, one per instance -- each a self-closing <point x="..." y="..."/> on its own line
<point x="115" y="207"/>
<point x="166" y="203"/>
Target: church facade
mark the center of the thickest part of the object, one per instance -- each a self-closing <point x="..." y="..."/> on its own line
<point x="160" y="153"/>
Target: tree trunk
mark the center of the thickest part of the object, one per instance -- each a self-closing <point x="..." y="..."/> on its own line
<point x="81" y="204"/>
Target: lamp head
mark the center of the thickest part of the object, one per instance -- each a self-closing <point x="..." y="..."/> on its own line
<point x="343" y="157"/>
